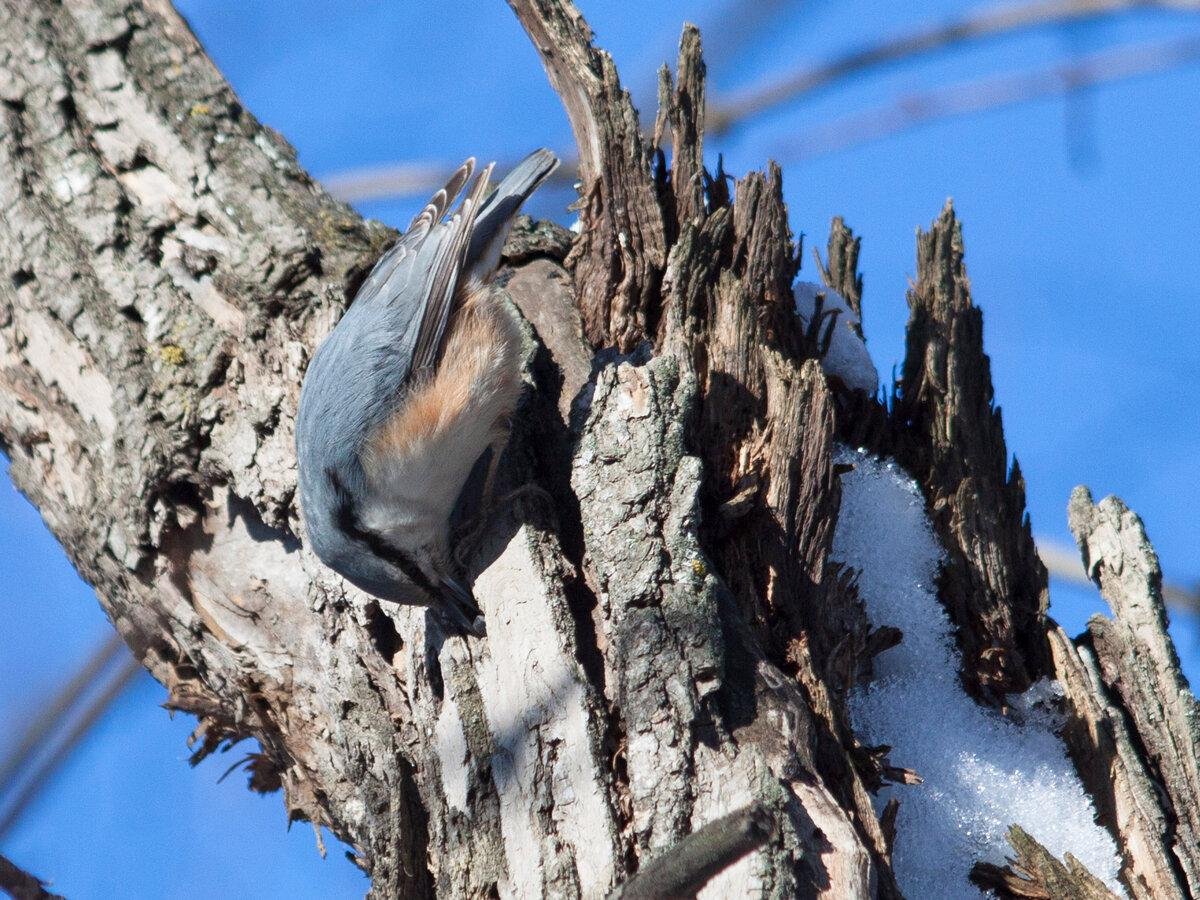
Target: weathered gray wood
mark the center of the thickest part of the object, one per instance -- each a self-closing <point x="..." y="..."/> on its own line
<point x="618" y="260"/>
<point x="839" y="270"/>
<point x="684" y="107"/>
<point x="1035" y="873"/>
<point x="1139" y="666"/>
<point x="1127" y="800"/>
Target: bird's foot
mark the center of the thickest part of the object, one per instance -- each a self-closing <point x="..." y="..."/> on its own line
<point x="458" y="612"/>
<point x="466" y="540"/>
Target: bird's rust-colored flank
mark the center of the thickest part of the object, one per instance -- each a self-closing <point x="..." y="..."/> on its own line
<point x="476" y="376"/>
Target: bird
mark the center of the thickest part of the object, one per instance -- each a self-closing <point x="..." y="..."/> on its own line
<point x="419" y="377"/>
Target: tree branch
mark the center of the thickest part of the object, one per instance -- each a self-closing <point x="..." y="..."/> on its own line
<point x="53" y="712"/>
<point x="20" y="885"/>
<point x="989" y="23"/>
<point x="685" y="868"/>
<point x="42" y="775"/>
<point x="997" y="92"/>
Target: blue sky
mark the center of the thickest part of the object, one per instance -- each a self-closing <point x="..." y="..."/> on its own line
<point x="1080" y="221"/>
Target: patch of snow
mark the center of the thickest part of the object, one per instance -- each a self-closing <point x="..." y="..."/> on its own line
<point x="848" y="357"/>
<point x="982" y="771"/>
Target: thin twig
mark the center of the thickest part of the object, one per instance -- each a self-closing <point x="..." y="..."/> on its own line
<point x="20" y="885"/>
<point x="993" y="22"/>
<point x="992" y="93"/>
<point x="419" y="178"/>
<point x="51" y="713"/>
<point x="684" y="869"/>
<point x="91" y="714"/>
<point x="1063" y="562"/>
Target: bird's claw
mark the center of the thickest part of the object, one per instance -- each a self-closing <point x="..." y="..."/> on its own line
<point x="460" y="613"/>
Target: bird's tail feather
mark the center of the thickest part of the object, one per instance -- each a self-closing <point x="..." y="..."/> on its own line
<point x="496" y="217"/>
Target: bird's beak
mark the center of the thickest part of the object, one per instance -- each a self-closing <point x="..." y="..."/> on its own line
<point x="461" y="609"/>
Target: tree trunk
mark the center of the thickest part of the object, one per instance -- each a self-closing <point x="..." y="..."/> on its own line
<point x="667" y="640"/>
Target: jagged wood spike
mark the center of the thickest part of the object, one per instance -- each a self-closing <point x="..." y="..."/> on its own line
<point x="840" y="272"/>
<point x="1139" y="665"/>
<point x="1035" y="873"/>
<point x="687" y="130"/>
<point x="950" y="436"/>
<point x="1107" y="757"/>
<point x="618" y="259"/>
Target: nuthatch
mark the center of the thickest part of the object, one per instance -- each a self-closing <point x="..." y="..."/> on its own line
<point x="419" y="377"/>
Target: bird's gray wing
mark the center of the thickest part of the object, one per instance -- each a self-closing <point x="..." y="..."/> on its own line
<point x="420" y="276"/>
<point x="440" y="279"/>
<point x="414" y="236"/>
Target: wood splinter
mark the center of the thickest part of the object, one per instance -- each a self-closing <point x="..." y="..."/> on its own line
<point x="684" y="869"/>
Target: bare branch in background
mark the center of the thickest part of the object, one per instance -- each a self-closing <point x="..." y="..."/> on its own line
<point x="50" y="714"/>
<point x="398" y="180"/>
<point x="17" y="805"/>
<point x="996" y="92"/>
<point x="407" y="179"/>
<point x="994" y="22"/>
<point x="1063" y="562"/>
<point x="722" y="44"/>
<point x="420" y="178"/>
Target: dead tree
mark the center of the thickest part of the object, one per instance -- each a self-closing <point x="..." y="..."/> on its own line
<point x="668" y="642"/>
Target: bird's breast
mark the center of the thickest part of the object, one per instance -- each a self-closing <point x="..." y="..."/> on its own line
<point x="417" y="461"/>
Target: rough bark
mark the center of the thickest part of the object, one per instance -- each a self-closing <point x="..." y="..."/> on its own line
<point x="667" y="641"/>
<point x="168" y="271"/>
<point x="618" y="260"/>
<point x="949" y="434"/>
<point x="167" y="267"/>
<point x="839" y="271"/>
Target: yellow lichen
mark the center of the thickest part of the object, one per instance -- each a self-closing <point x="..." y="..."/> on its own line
<point x="698" y="568"/>
<point x="172" y="354"/>
<point x="200" y="109"/>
